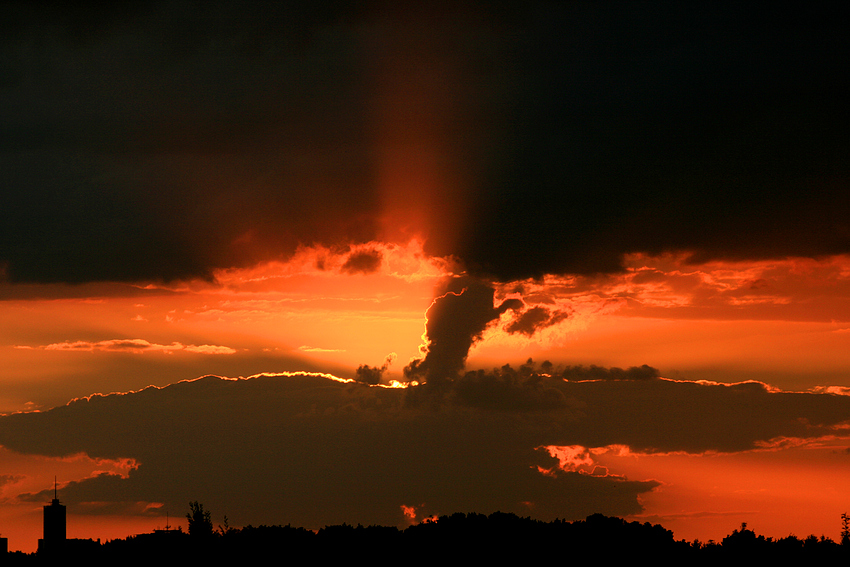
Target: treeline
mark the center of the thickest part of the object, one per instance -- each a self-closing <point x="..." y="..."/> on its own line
<point x="498" y="537"/>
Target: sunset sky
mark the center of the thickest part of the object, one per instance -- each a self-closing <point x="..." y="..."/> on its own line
<point x="363" y="263"/>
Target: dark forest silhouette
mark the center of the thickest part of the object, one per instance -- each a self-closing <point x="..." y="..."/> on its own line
<point x="461" y="537"/>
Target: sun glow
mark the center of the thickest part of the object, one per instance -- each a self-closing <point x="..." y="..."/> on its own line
<point x="331" y="310"/>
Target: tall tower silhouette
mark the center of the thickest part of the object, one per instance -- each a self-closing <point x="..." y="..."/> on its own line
<point x="54" y="524"/>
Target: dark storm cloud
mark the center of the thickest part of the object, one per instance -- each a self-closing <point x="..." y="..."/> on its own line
<point x="165" y="140"/>
<point x="362" y="262"/>
<point x="527" y="388"/>
<point x="373" y="374"/>
<point x="168" y="139"/>
<point x="312" y="451"/>
<point x="507" y="389"/>
<point x="653" y="127"/>
<point x="534" y="319"/>
<point x="456" y="321"/>
<point x="369" y="374"/>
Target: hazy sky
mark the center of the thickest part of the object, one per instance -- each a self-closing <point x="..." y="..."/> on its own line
<point x="641" y="208"/>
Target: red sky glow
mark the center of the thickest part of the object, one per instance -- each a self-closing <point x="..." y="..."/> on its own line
<point x="373" y="264"/>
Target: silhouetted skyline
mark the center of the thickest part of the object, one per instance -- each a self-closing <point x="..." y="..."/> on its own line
<point x="463" y="535"/>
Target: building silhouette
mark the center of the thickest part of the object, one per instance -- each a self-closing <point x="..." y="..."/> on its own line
<point x="54" y="526"/>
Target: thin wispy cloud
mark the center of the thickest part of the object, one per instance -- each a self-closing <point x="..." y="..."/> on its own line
<point x="307" y="348"/>
<point x="134" y="346"/>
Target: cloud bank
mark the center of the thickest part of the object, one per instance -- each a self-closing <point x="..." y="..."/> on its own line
<point x="313" y="450"/>
<point x="151" y="146"/>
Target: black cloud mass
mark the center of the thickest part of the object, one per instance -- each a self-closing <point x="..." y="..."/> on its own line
<point x="163" y="140"/>
<point x="313" y="451"/>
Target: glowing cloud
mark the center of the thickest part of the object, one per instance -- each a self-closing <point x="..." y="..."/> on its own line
<point x="136" y="346"/>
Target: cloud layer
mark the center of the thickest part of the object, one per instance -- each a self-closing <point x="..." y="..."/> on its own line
<point x="312" y="450"/>
<point x="527" y="138"/>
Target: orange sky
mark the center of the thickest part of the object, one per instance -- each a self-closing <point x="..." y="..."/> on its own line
<point x="293" y="316"/>
<point x="642" y="210"/>
<point x="295" y="311"/>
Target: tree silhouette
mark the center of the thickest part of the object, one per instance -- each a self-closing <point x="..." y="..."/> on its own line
<point x="200" y="520"/>
<point x="470" y="537"/>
